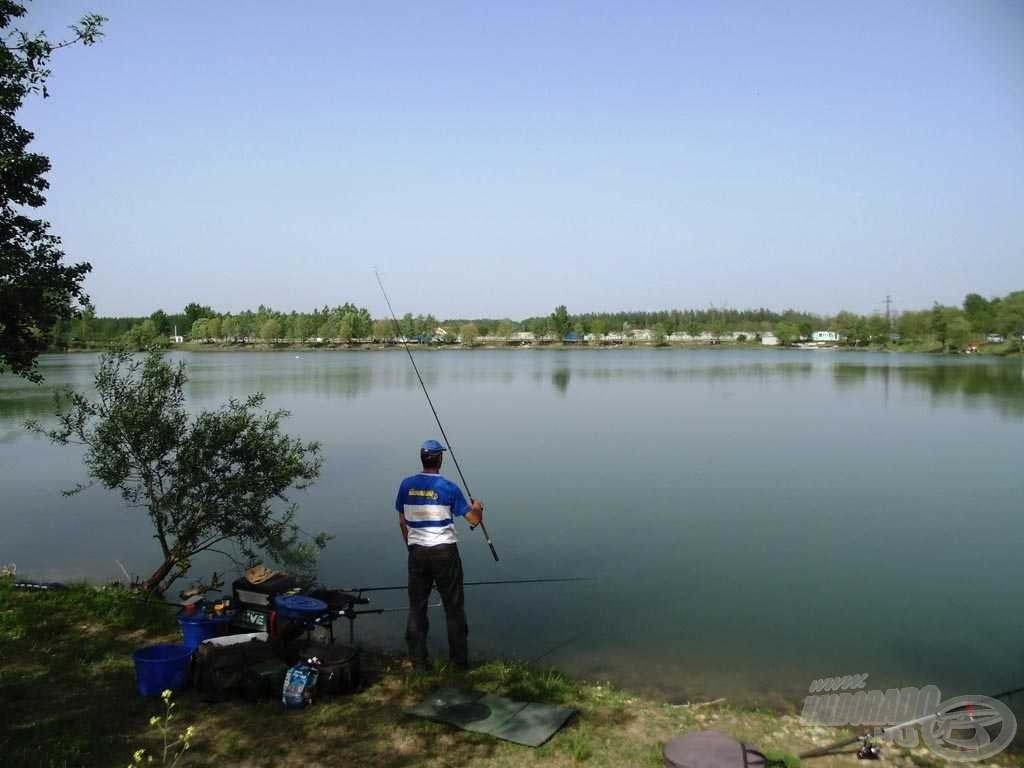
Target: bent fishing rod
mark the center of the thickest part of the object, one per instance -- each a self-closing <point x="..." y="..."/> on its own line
<point x="447" y="442"/>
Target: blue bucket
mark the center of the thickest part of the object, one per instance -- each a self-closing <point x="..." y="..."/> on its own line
<point x="161" y="667"/>
<point x="195" y="629"/>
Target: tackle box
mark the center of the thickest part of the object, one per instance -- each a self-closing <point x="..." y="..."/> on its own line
<point x="253" y="603"/>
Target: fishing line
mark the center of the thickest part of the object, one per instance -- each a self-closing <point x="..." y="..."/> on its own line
<point x="451" y="451"/>
<point x="559" y="646"/>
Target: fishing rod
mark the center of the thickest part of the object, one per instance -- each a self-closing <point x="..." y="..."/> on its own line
<point x="430" y="402"/>
<point x="479" y="583"/>
<point x="869" y="749"/>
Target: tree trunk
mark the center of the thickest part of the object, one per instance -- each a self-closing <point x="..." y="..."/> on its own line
<point x="152" y="584"/>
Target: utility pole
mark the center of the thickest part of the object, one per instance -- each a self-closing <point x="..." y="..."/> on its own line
<point x="888" y="313"/>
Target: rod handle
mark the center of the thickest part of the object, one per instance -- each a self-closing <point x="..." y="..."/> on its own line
<point x="490" y="543"/>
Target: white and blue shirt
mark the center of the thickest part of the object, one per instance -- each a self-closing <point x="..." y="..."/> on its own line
<point x="430" y="503"/>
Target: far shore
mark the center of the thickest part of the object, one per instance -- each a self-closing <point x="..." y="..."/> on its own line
<point x="988" y="350"/>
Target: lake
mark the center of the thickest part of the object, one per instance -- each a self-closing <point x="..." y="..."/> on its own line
<point x="752" y="519"/>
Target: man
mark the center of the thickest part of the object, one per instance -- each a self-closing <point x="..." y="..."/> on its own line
<point x="427" y="506"/>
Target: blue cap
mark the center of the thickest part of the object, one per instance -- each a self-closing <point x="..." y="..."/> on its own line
<point x="432" y="446"/>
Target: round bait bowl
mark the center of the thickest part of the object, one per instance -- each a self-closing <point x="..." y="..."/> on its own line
<point x="195" y="629"/>
<point x="161" y="667"/>
<point x="299" y="607"/>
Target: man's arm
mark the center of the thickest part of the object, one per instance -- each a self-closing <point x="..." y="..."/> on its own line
<point x="404" y="527"/>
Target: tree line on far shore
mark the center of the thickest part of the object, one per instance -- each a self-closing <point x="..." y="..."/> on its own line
<point x="950" y="327"/>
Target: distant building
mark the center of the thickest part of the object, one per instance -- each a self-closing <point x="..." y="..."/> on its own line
<point x="824" y="336"/>
<point x="175" y="338"/>
<point x="522" y="337"/>
<point x="643" y="334"/>
<point x="995" y="338"/>
<point x="572" y="338"/>
<point x="769" y="340"/>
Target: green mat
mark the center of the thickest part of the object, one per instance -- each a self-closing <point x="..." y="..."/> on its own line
<point x="522" y="722"/>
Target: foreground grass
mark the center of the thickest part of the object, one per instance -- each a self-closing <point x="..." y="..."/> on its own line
<point x="68" y="698"/>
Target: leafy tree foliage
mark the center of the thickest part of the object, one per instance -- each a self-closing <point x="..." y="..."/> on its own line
<point x="787" y="332"/>
<point x="659" y="334"/>
<point x="37" y="290"/>
<point x="195" y="311"/>
<point x="383" y="330"/>
<point x="559" y="322"/>
<point x="205" y="481"/>
<point x="161" y="322"/>
<point x="270" y="331"/>
<point x="469" y="333"/>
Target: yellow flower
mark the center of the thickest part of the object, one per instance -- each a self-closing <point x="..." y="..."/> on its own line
<point x="138" y="755"/>
<point x="188" y="732"/>
<point x="166" y="695"/>
<point x="154" y="720"/>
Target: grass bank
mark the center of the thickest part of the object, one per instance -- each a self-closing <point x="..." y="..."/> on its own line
<point x="68" y="698"/>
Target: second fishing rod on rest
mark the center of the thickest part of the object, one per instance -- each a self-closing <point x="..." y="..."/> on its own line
<point x="475" y="584"/>
<point x="447" y="442"/>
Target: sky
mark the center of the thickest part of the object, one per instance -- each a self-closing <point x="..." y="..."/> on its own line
<point x="496" y="159"/>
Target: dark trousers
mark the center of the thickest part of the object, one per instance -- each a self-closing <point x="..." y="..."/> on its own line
<point x="438" y="566"/>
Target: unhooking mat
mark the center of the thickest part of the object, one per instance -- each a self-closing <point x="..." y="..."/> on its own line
<point x="522" y="722"/>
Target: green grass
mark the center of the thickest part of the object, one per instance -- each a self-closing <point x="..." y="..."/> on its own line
<point x="68" y="698"/>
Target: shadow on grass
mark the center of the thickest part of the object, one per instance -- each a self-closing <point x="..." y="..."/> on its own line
<point x="68" y="698"/>
<point x="67" y="687"/>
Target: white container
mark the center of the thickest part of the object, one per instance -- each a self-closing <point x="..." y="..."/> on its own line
<point x="225" y="640"/>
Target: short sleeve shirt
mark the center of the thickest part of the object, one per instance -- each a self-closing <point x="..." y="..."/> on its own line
<point x="430" y="503"/>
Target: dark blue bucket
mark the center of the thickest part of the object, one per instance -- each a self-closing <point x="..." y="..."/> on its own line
<point x="195" y="629"/>
<point x="161" y="667"/>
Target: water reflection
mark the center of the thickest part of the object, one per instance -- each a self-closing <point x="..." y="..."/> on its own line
<point x="999" y="386"/>
<point x="20" y="404"/>
<point x="713" y="373"/>
<point x="348" y="382"/>
<point x="560" y="378"/>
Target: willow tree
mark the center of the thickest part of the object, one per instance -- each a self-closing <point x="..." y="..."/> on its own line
<point x="208" y="482"/>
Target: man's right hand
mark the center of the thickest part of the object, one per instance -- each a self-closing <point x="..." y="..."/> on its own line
<point x="475" y="513"/>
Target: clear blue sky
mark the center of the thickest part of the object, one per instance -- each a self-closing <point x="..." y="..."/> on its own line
<point x="497" y="159"/>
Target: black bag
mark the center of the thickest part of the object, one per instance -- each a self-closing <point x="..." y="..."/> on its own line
<point x="264" y="680"/>
<point x="219" y="670"/>
<point x="339" y="667"/>
<point x="342" y="675"/>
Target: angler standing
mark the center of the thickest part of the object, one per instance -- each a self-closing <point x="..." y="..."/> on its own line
<point x="427" y="506"/>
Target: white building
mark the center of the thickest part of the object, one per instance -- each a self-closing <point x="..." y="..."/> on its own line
<point x="824" y="336"/>
<point x="769" y="340"/>
<point x="523" y="337"/>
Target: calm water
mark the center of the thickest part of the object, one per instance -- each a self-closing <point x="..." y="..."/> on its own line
<point x="754" y="520"/>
